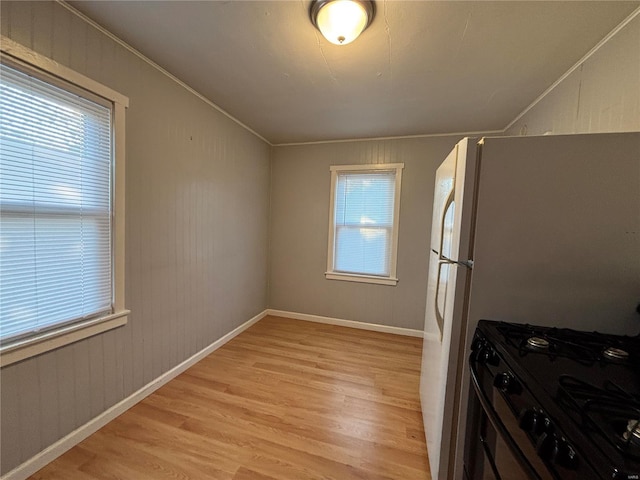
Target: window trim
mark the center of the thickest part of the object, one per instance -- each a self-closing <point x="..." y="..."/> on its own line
<point x="331" y="274"/>
<point x="19" y="56"/>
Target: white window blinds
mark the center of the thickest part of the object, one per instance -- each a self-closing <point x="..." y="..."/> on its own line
<point x="55" y="201"/>
<point x="364" y="220"/>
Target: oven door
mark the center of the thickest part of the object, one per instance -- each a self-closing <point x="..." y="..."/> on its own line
<point x="497" y="449"/>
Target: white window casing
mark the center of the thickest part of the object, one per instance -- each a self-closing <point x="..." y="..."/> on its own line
<point x="62" y="248"/>
<point x="364" y="222"/>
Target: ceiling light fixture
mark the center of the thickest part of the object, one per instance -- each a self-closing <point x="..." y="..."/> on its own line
<point x="342" y="21"/>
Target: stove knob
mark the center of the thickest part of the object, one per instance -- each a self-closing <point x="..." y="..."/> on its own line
<point x="487" y="355"/>
<point x="478" y="343"/>
<point x="548" y="446"/>
<point x="567" y="456"/>
<point x="557" y="450"/>
<point x="534" y="422"/>
<point x="507" y="383"/>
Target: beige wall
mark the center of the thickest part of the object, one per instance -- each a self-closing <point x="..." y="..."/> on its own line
<point x="300" y="189"/>
<point x="601" y="95"/>
<point x="198" y="188"/>
<point x="197" y="214"/>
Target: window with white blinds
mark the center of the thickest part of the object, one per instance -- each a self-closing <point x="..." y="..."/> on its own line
<point x="363" y="229"/>
<point x="55" y="201"/>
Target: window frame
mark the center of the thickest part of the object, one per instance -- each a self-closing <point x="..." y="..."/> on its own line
<point x="331" y="273"/>
<point x="24" y="59"/>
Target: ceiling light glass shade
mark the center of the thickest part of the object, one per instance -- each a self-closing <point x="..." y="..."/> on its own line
<point x="341" y="21"/>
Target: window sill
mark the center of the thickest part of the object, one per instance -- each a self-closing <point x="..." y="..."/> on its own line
<point x="351" y="277"/>
<point x="30" y="347"/>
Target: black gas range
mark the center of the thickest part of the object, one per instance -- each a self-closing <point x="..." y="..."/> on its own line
<point x="553" y="403"/>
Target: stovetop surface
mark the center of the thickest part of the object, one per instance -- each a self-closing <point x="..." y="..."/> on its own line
<point x="589" y="382"/>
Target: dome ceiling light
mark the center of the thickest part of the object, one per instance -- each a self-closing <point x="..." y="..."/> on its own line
<point x="342" y="21"/>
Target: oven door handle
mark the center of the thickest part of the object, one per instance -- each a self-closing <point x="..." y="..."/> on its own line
<point x="496" y="422"/>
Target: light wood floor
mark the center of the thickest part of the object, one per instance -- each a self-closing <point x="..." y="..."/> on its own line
<point x="285" y="400"/>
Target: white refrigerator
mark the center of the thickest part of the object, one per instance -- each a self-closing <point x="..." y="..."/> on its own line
<point x="541" y="230"/>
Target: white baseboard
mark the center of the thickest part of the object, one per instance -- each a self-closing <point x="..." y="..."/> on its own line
<point x="346" y="323"/>
<point x="40" y="460"/>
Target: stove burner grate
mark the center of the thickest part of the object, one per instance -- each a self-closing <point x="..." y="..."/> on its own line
<point x="587" y="348"/>
<point x="606" y="409"/>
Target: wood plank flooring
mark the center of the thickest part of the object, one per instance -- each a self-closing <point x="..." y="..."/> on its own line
<point x="284" y="400"/>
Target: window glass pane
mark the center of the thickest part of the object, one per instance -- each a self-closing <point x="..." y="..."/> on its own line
<point x="55" y="200"/>
<point x="365" y="199"/>
<point x="363" y="222"/>
<point x="363" y="250"/>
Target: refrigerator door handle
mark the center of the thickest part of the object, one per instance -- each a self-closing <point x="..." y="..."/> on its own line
<point x="460" y="263"/>
<point x="443" y="218"/>
<point x="439" y="317"/>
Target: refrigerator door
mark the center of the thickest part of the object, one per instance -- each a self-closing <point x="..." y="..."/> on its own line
<point x="446" y="293"/>
<point x="441" y="230"/>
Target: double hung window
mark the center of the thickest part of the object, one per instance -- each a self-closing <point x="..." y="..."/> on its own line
<point x="57" y="256"/>
<point x="363" y="225"/>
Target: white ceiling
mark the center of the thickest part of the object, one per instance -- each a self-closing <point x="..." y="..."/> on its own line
<point x="422" y="67"/>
